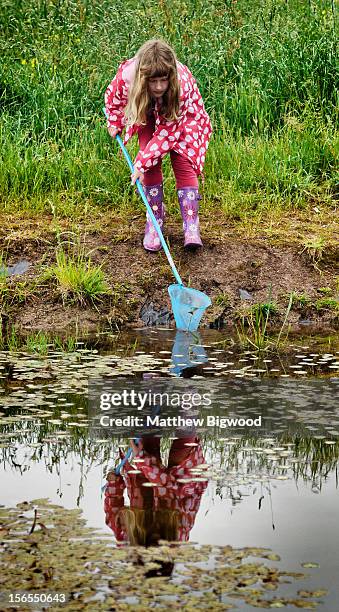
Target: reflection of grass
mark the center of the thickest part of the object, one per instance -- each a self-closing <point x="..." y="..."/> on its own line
<point x="316" y="458"/>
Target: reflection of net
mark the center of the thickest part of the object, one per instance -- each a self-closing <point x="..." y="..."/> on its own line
<point x="187" y="353"/>
<point x="188" y="306"/>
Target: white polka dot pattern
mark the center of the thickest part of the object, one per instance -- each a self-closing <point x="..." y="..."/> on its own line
<point x="168" y="491"/>
<point x="169" y="135"/>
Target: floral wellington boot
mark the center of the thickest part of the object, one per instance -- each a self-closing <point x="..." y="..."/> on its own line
<point x="154" y="195"/>
<point x="189" y="205"/>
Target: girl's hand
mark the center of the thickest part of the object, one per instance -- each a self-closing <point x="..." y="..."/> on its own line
<point x="136" y="449"/>
<point x="113" y="131"/>
<point x="137" y="175"/>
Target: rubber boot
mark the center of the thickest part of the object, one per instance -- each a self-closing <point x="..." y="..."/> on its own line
<point x="154" y="196"/>
<point x="189" y="206"/>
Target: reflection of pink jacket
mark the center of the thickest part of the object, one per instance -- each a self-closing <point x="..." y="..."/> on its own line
<point x="189" y="135"/>
<point x="168" y="494"/>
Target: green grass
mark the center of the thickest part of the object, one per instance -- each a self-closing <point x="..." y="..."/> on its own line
<point x="78" y="278"/>
<point x="266" y="70"/>
<point x="299" y="300"/>
<point x="39" y="343"/>
<point x="222" y="299"/>
<point x="267" y="309"/>
<point x="325" y="290"/>
<point x="10" y="340"/>
<point x="42" y="343"/>
<point x="3" y="268"/>
<point x="3" y="282"/>
<point x="252" y="326"/>
<point x="327" y="304"/>
<point x="314" y="247"/>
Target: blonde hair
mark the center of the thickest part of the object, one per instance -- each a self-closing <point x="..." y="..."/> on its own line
<point x="154" y="59"/>
<point x="145" y="527"/>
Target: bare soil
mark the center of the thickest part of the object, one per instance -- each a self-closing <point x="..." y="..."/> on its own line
<point x="268" y="259"/>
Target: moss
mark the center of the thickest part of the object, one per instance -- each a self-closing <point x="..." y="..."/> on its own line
<point x="327" y="304"/>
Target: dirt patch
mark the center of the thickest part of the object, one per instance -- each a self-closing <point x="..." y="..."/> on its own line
<point x="230" y="266"/>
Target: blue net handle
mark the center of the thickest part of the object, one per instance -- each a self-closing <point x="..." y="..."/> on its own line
<point x="149" y="210"/>
<point x="126" y="458"/>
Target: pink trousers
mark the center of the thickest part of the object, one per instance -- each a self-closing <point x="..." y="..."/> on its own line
<point x="184" y="174"/>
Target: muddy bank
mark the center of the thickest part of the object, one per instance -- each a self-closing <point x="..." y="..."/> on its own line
<point x="236" y="271"/>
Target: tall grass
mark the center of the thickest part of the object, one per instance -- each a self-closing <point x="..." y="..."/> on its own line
<point x="266" y="70"/>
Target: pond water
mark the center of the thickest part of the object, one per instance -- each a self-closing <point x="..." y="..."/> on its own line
<point x="273" y="486"/>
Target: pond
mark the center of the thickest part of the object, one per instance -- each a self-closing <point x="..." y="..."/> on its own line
<point x="273" y="486"/>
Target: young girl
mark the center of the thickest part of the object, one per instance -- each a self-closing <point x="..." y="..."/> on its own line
<point x="156" y="96"/>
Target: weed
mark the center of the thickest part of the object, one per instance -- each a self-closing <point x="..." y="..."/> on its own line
<point x="165" y="273"/>
<point x="325" y="290"/>
<point x="78" y="278"/>
<point x="314" y="248"/>
<point x="37" y="343"/>
<point x="299" y="300"/>
<point x="252" y="329"/>
<point x="69" y="345"/>
<point x="12" y="340"/>
<point x="146" y="281"/>
<point x="288" y="309"/>
<point x="268" y="309"/>
<point x="42" y="343"/>
<point x="3" y="267"/>
<point x="222" y="299"/>
<point x="3" y="281"/>
<point x="327" y="304"/>
<point x="4" y="292"/>
<point x="122" y="308"/>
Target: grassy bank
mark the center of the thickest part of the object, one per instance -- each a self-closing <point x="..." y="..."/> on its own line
<point x="266" y="71"/>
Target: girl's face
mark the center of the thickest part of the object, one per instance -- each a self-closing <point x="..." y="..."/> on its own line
<point x="158" y="86"/>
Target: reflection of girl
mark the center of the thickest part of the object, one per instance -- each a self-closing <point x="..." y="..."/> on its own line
<point x="164" y="511"/>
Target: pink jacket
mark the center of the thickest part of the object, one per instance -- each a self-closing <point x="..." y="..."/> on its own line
<point x="189" y="135"/>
